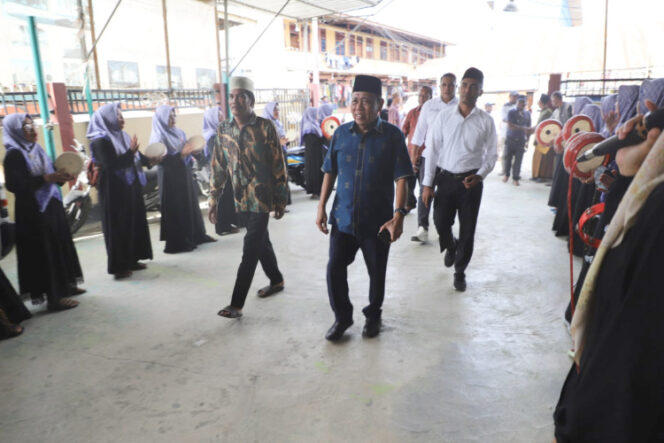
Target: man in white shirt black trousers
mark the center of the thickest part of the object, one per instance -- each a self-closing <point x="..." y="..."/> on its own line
<point x="462" y="143"/>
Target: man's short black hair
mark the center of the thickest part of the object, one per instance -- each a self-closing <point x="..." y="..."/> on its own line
<point x="428" y="89"/>
<point x="557" y="95"/>
<point x="475" y="74"/>
<point x="448" y="74"/>
<point x="545" y="99"/>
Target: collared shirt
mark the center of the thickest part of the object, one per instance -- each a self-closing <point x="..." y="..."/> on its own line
<point x="366" y="165"/>
<point x="519" y="118"/>
<point x="461" y="144"/>
<point x="409" y="126"/>
<point x="507" y="107"/>
<point x="253" y="159"/>
<point x="429" y="112"/>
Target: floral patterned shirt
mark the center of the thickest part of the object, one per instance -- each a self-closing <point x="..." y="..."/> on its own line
<point x="253" y="159"/>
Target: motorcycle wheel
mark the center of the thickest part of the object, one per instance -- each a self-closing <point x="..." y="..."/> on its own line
<point x="77" y="212"/>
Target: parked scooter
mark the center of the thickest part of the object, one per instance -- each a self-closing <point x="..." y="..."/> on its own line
<point x="295" y="165"/>
<point x="200" y="169"/>
<point x="77" y="202"/>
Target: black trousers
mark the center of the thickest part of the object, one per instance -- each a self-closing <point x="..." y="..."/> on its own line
<point x="422" y="209"/>
<point x="452" y="198"/>
<point x="512" y="158"/>
<point x="343" y="248"/>
<point x="257" y="247"/>
<point x="226" y="215"/>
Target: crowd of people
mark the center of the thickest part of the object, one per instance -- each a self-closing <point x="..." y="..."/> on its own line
<point x="614" y="390"/>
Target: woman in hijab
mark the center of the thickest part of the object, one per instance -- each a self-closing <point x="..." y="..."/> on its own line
<point x="311" y="136"/>
<point x="271" y="112"/>
<point x="226" y="215"/>
<point x="614" y="389"/>
<point x="609" y="115"/>
<point x="47" y="259"/>
<point x="12" y="309"/>
<point x="121" y="179"/>
<point x="182" y="226"/>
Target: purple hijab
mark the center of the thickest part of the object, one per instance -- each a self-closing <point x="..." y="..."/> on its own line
<point x="34" y="155"/>
<point x="607" y="105"/>
<point x="268" y="113"/>
<point x="325" y="110"/>
<point x="652" y="90"/>
<point x="210" y="124"/>
<point x="628" y="96"/>
<point x="174" y="138"/>
<point x="310" y="124"/>
<point x="595" y="113"/>
<point x="579" y="103"/>
<point x="104" y="124"/>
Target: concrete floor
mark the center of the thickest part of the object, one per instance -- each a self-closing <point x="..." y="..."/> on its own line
<point x="148" y="359"/>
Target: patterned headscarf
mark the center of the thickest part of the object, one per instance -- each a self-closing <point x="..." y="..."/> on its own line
<point x="579" y="103"/>
<point x="174" y="138"/>
<point x="652" y="90"/>
<point x="595" y="113"/>
<point x="104" y="124"/>
<point x="34" y="155"/>
<point x="628" y="96"/>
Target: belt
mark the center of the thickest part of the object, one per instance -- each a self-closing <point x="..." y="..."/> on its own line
<point x="459" y="176"/>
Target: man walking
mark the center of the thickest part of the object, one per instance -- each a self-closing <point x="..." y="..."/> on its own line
<point x="518" y="130"/>
<point x="462" y="143"/>
<point x="429" y="112"/>
<point x="408" y="129"/>
<point x="248" y="152"/>
<point x="367" y="156"/>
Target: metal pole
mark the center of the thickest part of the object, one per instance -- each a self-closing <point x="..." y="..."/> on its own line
<point x="216" y="34"/>
<point x="41" y="89"/>
<point x="94" y="42"/>
<point x="168" y="55"/>
<point x="228" y="66"/>
<point x="606" y="25"/>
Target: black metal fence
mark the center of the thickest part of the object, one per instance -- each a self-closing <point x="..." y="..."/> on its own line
<point x="140" y="99"/>
<point x="595" y="88"/>
<point x="15" y="102"/>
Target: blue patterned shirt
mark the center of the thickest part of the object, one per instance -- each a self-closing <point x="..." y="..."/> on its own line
<point x="366" y="165"/>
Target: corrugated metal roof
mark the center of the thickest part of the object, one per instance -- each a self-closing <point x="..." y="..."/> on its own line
<point x="306" y="9"/>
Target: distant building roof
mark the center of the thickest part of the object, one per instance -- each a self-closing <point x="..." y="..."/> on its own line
<point x="306" y="9"/>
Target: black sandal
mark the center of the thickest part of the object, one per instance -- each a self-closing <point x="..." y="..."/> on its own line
<point x="63" y="304"/>
<point x="270" y="290"/>
<point x="230" y="312"/>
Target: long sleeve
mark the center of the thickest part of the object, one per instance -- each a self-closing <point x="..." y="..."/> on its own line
<point x="18" y="178"/>
<point x="420" y="133"/>
<point x="434" y="142"/>
<point x="107" y="158"/>
<point x="490" y="150"/>
<point x="407" y="124"/>
<point x="280" y="190"/>
<point x="218" y="170"/>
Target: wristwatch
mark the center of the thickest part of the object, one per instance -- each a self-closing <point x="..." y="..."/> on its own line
<point x="401" y="211"/>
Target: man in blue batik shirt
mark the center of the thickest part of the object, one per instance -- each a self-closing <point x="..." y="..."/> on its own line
<point x="367" y="156"/>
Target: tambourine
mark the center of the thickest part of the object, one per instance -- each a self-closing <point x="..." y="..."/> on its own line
<point x="154" y="150"/>
<point x="588" y="224"/>
<point x="329" y="125"/>
<point x="558" y="144"/>
<point x="576" y="124"/>
<point x="69" y="162"/>
<point x="547" y="131"/>
<point x="197" y="143"/>
<point x="576" y="146"/>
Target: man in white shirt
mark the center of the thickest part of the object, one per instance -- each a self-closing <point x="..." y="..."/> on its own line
<point x="462" y="142"/>
<point x="427" y="115"/>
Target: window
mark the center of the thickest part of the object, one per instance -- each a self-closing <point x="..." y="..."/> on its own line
<point x="404" y="54"/>
<point x="394" y="52"/>
<point x="413" y="56"/>
<point x="205" y="78"/>
<point x="294" y="36"/>
<point x="123" y="74"/>
<point x="351" y="45"/>
<point x="340" y="43"/>
<point x="359" y="45"/>
<point x="370" y="48"/>
<point x="383" y="50"/>
<point x="176" y="77"/>
<point x="323" y="45"/>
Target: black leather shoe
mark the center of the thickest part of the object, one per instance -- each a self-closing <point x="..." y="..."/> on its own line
<point x="459" y="281"/>
<point x="337" y="330"/>
<point x="450" y="255"/>
<point x="371" y="327"/>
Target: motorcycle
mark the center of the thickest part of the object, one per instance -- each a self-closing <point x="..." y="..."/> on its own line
<point x="200" y="169"/>
<point x="77" y="202"/>
<point x="295" y="165"/>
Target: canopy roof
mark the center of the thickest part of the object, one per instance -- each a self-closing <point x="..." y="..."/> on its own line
<point x="306" y="9"/>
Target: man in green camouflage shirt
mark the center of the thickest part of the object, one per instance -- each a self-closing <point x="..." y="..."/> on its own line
<point x="248" y="152"/>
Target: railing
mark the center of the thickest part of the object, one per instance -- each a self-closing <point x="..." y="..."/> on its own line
<point x="14" y="102"/>
<point x="595" y="88"/>
<point x="140" y="99"/>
